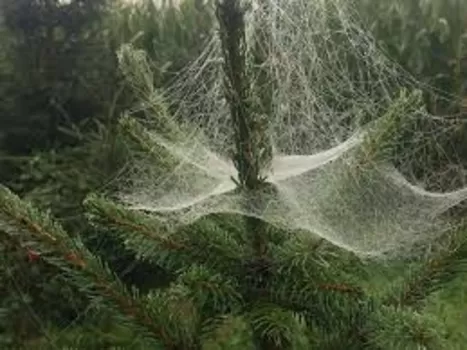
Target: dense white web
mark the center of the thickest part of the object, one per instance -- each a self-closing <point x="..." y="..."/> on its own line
<point x="345" y="122"/>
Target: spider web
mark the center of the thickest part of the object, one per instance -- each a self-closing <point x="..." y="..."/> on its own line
<point x="348" y="126"/>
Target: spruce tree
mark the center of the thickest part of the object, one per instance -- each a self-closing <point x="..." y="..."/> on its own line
<point x="61" y="59"/>
<point x="231" y="272"/>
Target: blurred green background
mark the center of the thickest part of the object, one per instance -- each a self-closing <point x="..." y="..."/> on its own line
<point x="61" y="95"/>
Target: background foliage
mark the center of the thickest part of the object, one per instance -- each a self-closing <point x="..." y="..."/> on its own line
<point x="61" y="96"/>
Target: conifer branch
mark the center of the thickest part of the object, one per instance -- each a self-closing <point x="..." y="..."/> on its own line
<point x="138" y="72"/>
<point x="379" y="142"/>
<point x="432" y="274"/>
<point x="21" y="220"/>
<point x="394" y="328"/>
<point x="211" y="292"/>
<point x="279" y="326"/>
<point x="135" y="132"/>
<point x="118" y="217"/>
<point x="150" y="240"/>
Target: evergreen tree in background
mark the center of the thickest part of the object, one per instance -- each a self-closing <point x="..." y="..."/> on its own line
<point x="236" y="281"/>
<point x="62" y="70"/>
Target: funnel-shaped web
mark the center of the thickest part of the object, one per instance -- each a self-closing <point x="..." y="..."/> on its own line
<point x="344" y="135"/>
